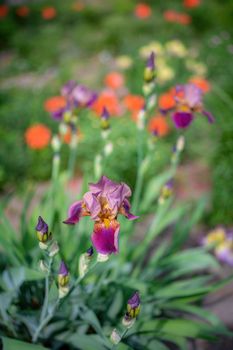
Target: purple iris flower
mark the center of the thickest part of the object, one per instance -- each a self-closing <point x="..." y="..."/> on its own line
<point x="83" y="96"/>
<point x="67" y="89"/>
<point x="188" y="102"/>
<point x="103" y="202"/>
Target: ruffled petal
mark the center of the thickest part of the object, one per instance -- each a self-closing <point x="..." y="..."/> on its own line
<point x="209" y="116"/>
<point x="125" y="210"/>
<point x="92" y="204"/>
<point x="105" y="237"/>
<point x="74" y="213"/>
<point x="182" y="119"/>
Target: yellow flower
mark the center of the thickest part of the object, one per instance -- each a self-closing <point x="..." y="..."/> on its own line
<point x="176" y="48"/>
<point x="165" y="73"/>
<point x="217" y="236"/>
<point x="124" y="62"/>
<point x="154" y="46"/>
<point x="198" y="68"/>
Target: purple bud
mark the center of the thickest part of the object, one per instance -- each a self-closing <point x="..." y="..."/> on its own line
<point x="41" y="226"/>
<point x="134" y="301"/>
<point x="63" y="270"/>
<point x="151" y="61"/>
<point x="90" y="251"/>
<point x="105" y="114"/>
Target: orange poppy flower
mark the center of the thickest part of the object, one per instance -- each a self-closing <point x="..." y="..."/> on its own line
<point x="3" y="11"/>
<point x="48" y="13"/>
<point x="134" y="103"/>
<point x="23" y="11"/>
<point x="159" y="125"/>
<point x="54" y="103"/>
<point x="78" y="6"/>
<point x="191" y="3"/>
<point x="37" y="136"/>
<point x="183" y="18"/>
<point x="109" y="100"/>
<point x="202" y="83"/>
<point x="166" y="101"/>
<point x="114" y="80"/>
<point x="142" y="11"/>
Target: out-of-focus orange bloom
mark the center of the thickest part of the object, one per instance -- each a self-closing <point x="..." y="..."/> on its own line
<point x="142" y="11"/>
<point x="184" y="19"/>
<point x="170" y="16"/>
<point x="109" y="100"/>
<point x="37" y="136"/>
<point x="48" y="13"/>
<point x="3" y="11"/>
<point x="23" y="11"/>
<point x="134" y="103"/>
<point x="166" y="101"/>
<point x="191" y="3"/>
<point x="158" y="125"/>
<point x="78" y="6"/>
<point x="176" y="17"/>
<point x="54" y="103"/>
<point x="202" y="83"/>
<point x="114" y="80"/>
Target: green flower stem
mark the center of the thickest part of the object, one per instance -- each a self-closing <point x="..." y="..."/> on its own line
<point x="78" y="280"/>
<point x="58" y="303"/>
<point x="139" y="176"/>
<point x="45" y="321"/>
<point x="45" y="304"/>
<point x="73" y="153"/>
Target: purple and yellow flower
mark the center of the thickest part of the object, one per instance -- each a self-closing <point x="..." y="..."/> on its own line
<point x="63" y="275"/>
<point x="42" y="230"/>
<point x="133" y="309"/>
<point x="104" y="201"/>
<point x="149" y="72"/>
<point x="133" y="305"/>
<point x="188" y="102"/>
<point x="105" y="116"/>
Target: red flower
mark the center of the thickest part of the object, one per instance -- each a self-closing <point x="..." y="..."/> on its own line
<point x="191" y="3"/>
<point x="3" y="11"/>
<point x="202" y="83"/>
<point x="107" y="99"/>
<point x="158" y="125"/>
<point x="54" y="103"/>
<point x="48" y="13"/>
<point x="114" y="80"/>
<point x="37" y="136"/>
<point x="23" y="11"/>
<point x="142" y="11"/>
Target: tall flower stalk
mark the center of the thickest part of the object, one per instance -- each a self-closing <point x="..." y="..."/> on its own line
<point x="150" y="99"/>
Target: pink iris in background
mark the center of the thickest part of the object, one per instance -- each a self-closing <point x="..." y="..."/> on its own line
<point x="188" y="102"/>
<point x="103" y="202"/>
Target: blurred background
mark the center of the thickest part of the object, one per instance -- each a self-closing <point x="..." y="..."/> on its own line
<point x="103" y="44"/>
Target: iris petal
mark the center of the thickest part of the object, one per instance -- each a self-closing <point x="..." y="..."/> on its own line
<point x="105" y="237"/>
